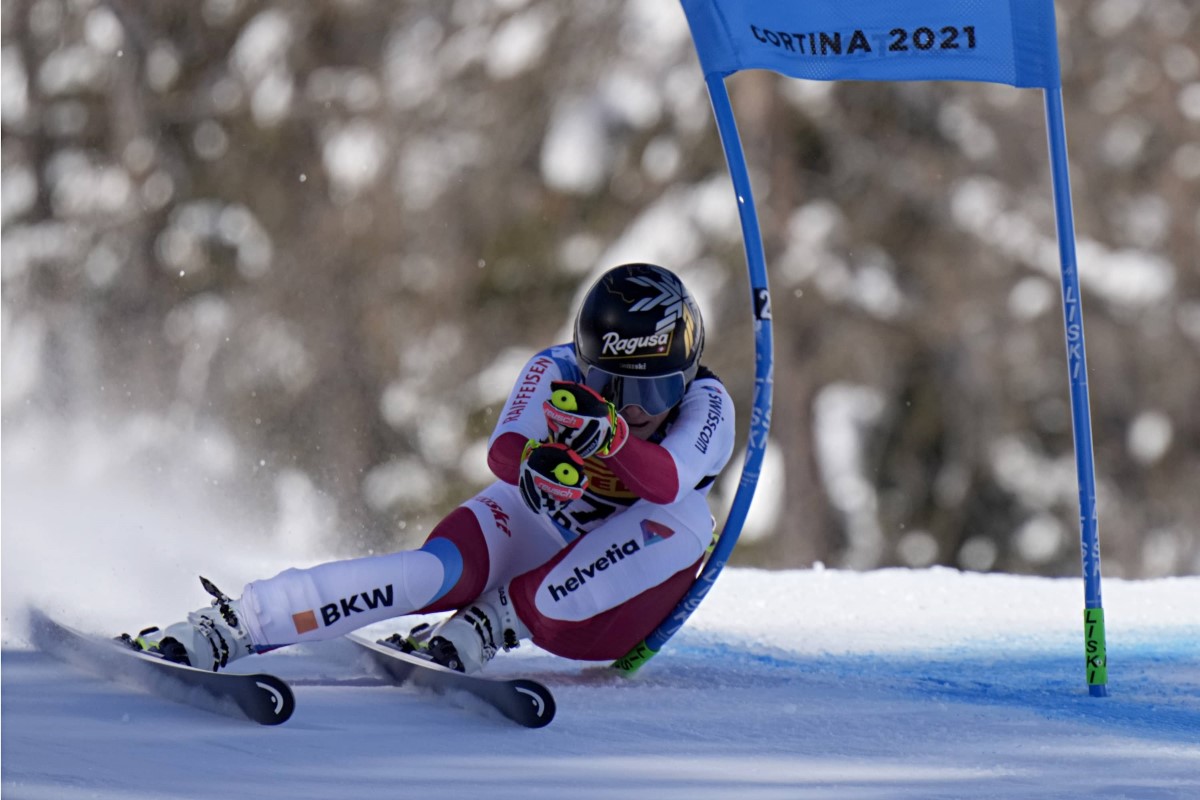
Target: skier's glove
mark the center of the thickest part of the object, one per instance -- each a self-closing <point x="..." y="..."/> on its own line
<point x="551" y="476"/>
<point x="584" y="421"/>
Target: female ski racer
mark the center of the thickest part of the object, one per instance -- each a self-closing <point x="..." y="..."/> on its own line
<point x="604" y="452"/>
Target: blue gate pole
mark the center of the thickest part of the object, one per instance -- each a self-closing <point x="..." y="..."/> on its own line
<point x="1095" y="649"/>
<point x="760" y="414"/>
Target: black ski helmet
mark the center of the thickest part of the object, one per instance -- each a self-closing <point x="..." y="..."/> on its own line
<point x="638" y="337"/>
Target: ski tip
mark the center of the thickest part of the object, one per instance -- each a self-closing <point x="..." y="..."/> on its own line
<point x="40" y="627"/>
<point x="33" y="617"/>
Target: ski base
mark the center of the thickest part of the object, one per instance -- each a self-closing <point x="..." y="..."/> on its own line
<point x="264" y="699"/>
<point x="525" y="702"/>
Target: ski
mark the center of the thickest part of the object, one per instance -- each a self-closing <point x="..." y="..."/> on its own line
<point x="264" y="699"/>
<point x="525" y="702"/>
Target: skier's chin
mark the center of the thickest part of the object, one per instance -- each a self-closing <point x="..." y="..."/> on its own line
<point x="642" y="425"/>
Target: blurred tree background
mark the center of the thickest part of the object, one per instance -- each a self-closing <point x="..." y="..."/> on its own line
<point x="301" y="248"/>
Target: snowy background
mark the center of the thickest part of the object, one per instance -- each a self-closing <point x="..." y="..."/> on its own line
<point x="305" y="245"/>
<point x="269" y="268"/>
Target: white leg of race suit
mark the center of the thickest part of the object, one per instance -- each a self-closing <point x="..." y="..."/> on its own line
<point x="617" y="562"/>
<point x="333" y="599"/>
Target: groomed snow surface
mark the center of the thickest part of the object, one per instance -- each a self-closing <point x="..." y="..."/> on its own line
<point x="797" y="684"/>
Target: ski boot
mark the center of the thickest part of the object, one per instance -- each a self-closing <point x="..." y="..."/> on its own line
<point x="471" y="638"/>
<point x="208" y="639"/>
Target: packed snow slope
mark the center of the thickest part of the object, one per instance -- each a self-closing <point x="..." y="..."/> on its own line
<point x="812" y="683"/>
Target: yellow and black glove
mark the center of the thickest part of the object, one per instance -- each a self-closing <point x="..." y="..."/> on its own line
<point x="580" y="418"/>
<point x="551" y="476"/>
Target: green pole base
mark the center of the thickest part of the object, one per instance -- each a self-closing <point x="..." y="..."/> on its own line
<point x="1095" y="652"/>
<point x="634" y="660"/>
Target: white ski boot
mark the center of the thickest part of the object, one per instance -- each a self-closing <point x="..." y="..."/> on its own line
<point x="208" y="639"/>
<point x="470" y="639"/>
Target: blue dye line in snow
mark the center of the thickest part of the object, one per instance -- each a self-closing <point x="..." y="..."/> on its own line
<point x="1155" y="690"/>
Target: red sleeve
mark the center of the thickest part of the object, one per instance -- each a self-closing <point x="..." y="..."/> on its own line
<point x="647" y="469"/>
<point x="504" y="456"/>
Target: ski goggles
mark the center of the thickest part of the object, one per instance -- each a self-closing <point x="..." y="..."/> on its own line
<point x="654" y="395"/>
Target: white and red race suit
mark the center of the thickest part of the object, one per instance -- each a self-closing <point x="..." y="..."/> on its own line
<point x="589" y="582"/>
